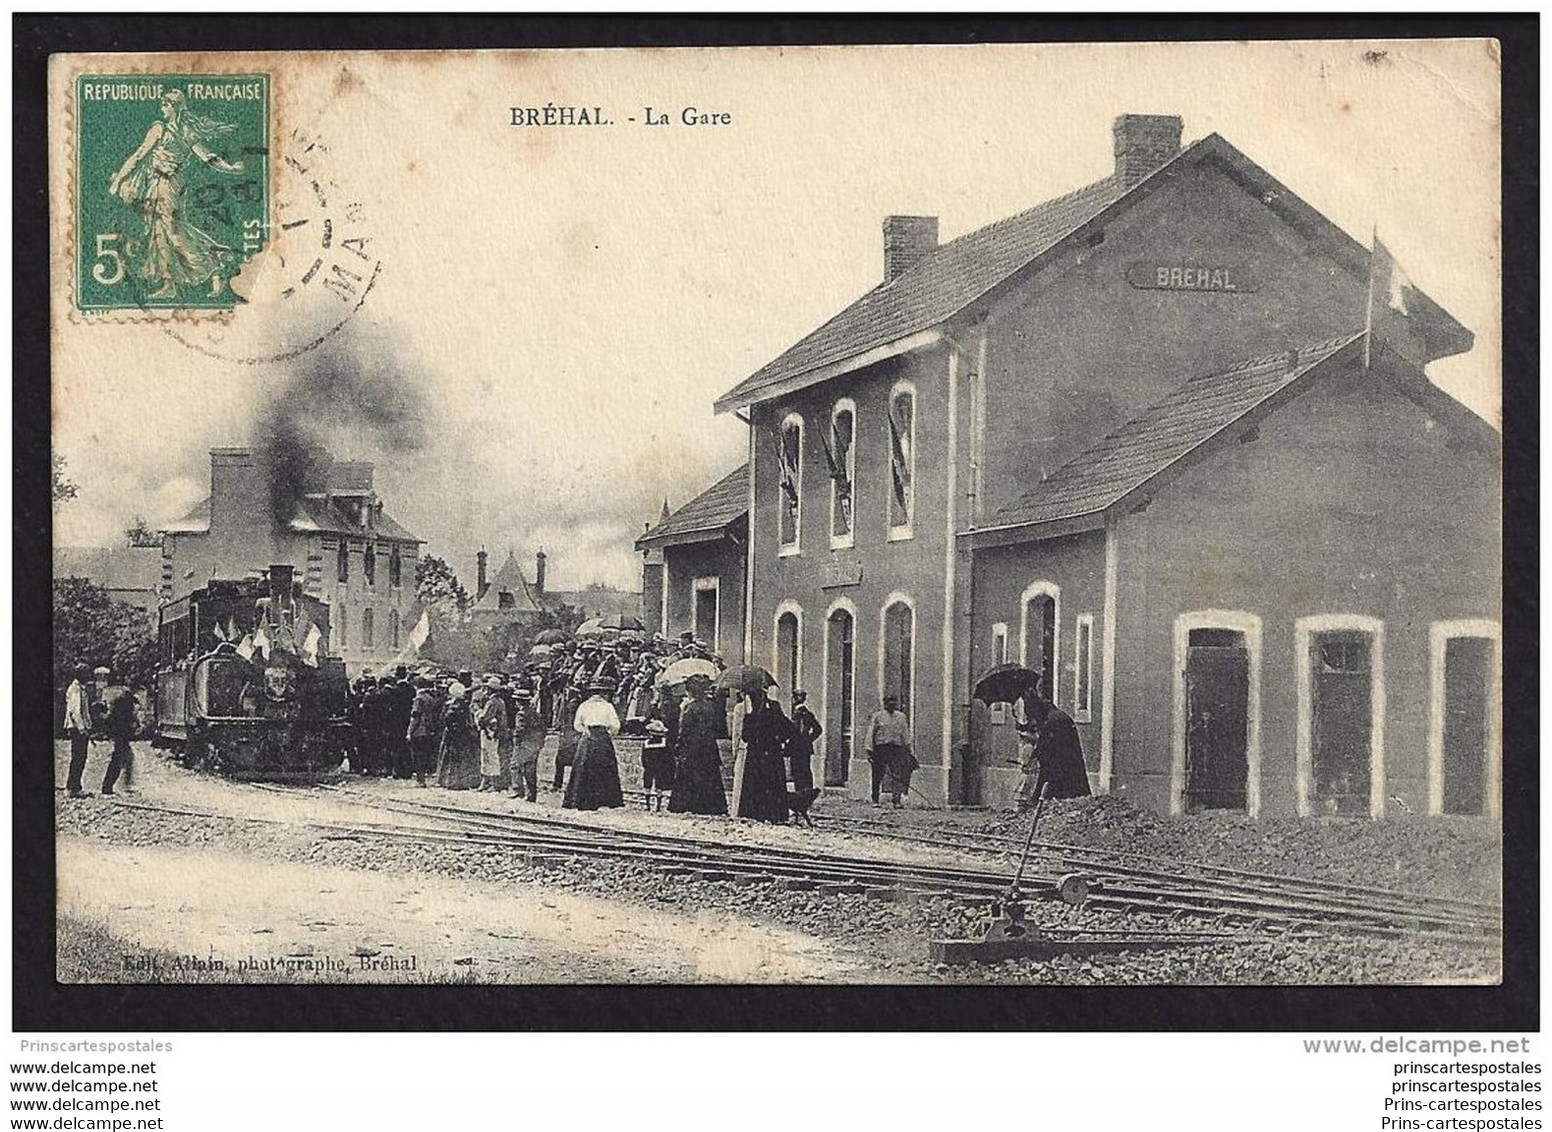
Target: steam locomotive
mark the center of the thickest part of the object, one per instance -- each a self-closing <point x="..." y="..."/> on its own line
<point x="245" y="686"/>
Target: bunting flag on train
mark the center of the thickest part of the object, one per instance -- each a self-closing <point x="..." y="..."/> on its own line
<point x="309" y="647"/>
<point x="245" y="646"/>
<point x="261" y="642"/>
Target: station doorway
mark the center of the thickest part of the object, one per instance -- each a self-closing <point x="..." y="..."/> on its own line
<point x="1217" y="720"/>
<point x="840" y="695"/>
<point x="1341" y="721"/>
<point x="1468" y="685"/>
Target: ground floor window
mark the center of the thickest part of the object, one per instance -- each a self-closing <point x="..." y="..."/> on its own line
<point x="789" y="645"/>
<point x="705" y="612"/>
<point x="1083" y="669"/>
<point x="1039" y="647"/>
<point x="896" y="669"/>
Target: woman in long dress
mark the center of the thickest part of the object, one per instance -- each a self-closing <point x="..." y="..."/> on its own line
<point x="490" y="716"/>
<point x="595" y="777"/>
<point x="767" y="734"/>
<point x="459" y="765"/>
<point x="177" y="253"/>
<point x="698" y="785"/>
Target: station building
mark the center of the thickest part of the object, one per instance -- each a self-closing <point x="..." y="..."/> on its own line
<point x="346" y="549"/>
<point x="1169" y="440"/>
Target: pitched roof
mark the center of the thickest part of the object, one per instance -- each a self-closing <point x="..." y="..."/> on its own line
<point x="958" y="273"/>
<point x="313" y="513"/>
<point x="943" y="283"/>
<point x="1145" y="446"/>
<point x="510" y="580"/>
<point x="707" y="514"/>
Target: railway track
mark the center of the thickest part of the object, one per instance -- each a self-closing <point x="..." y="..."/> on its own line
<point x="1207" y="893"/>
<point x="1173" y="871"/>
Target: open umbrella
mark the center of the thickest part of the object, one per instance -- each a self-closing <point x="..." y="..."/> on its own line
<point x="592" y="627"/>
<point x="539" y="651"/>
<point x="681" y="670"/>
<point x="746" y="678"/>
<point x="621" y="621"/>
<point x="553" y="637"/>
<point x="1006" y="683"/>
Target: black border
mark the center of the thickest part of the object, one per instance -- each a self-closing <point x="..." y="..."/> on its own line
<point x="41" y="1004"/>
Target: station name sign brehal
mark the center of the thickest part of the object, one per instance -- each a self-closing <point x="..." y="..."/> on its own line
<point x="1225" y="278"/>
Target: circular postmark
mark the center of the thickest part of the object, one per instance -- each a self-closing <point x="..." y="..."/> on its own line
<point x="315" y="272"/>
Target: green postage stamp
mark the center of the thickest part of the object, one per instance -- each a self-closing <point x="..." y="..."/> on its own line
<point x="172" y="188"/>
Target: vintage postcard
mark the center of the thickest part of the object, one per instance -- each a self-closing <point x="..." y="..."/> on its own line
<point x="999" y="514"/>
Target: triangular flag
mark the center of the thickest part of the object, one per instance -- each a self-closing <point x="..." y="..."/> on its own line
<point x="221" y="633"/>
<point x="310" y="643"/>
<point x="421" y="632"/>
<point x="261" y="642"/>
<point x="245" y="646"/>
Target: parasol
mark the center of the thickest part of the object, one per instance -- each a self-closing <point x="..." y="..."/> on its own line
<point x="681" y="670"/>
<point x="746" y="678"/>
<point x="539" y="651"/>
<point x="1006" y="683"/>
<point x="553" y="637"/>
<point x="622" y="621"/>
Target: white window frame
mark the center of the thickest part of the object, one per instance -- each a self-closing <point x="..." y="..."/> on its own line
<point x="849" y="607"/>
<point x="906" y="530"/>
<point x="1042" y="588"/>
<point x="697" y="587"/>
<point x="1237" y="621"/>
<point x="1305" y="630"/>
<point x="849" y="539"/>
<point x="999" y="712"/>
<point x="795" y="547"/>
<point x="898" y="597"/>
<point x="1440" y="633"/>
<point x="1083" y="659"/>
<point x="785" y="607"/>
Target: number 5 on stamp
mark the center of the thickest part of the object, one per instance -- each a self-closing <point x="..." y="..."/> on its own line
<point x="172" y="188"/>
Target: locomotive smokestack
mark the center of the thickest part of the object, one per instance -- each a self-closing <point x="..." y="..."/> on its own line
<point x="281" y="578"/>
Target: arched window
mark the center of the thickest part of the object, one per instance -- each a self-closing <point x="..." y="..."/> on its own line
<point x="344" y="623"/>
<point x="789" y="502"/>
<point x="840" y="454"/>
<point x="787" y="665"/>
<point x="897" y="650"/>
<point x="344" y="560"/>
<point x="369" y="564"/>
<point x="1040" y="622"/>
<point x="902" y="460"/>
<point x="393" y="628"/>
<point x="366" y="629"/>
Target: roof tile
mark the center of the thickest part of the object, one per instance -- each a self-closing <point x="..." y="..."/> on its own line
<point x="710" y="511"/>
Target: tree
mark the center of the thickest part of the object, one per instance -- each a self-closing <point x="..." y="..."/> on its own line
<point x="140" y="533"/>
<point x="93" y="628"/>
<point x="64" y="490"/>
<point x="439" y="590"/>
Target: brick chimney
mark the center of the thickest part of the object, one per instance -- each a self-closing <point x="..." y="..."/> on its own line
<point x="907" y="239"/>
<point x="1144" y="142"/>
<point x="539" y="573"/>
<point x="482" y="583"/>
<point x="239" y="499"/>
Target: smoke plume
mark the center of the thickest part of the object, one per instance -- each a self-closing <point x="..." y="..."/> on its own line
<point x="347" y="394"/>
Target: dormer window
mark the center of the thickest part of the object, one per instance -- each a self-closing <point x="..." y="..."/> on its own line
<point x="902" y="460"/>
<point x="789" y="502"/>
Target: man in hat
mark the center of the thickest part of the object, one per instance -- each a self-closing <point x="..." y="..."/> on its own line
<point x="889" y="751"/>
<point x="425" y="729"/>
<point x="78" y="726"/>
<point x="120" y="702"/>
<point x="801" y="752"/>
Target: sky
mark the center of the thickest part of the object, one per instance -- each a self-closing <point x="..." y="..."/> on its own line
<point x="562" y="305"/>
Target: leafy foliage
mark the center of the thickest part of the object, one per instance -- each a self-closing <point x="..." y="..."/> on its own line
<point x="64" y="490"/>
<point x="91" y="627"/>
<point x="139" y="533"/>
<point x="440" y="591"/>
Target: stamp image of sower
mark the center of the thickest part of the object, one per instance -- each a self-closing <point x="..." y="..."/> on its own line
<point x="172" y="189"/>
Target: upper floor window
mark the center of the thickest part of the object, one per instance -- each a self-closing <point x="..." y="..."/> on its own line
<point x="366" y="629"/>
<point x="395" y="566"/>
<point x="790" y="494"/>
<point x="344" y="628"/>
<point x="902" y="460"/>
<point x="344" y="560"/>
<point x="841" y="455"/>
<point x="393" y="627"/>
<point x="369" y="564"/>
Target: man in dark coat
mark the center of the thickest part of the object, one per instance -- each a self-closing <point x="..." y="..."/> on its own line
<point x="120" y="703"/>
<point x="401" y="702"/>
<point x="698" y="787"/>
<point x="1057" y="757"/>
<point x="801" y="753"/>
<point x="767" y="733"/>
<point x="425" y="729"/>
